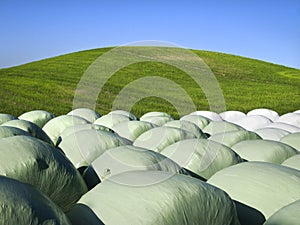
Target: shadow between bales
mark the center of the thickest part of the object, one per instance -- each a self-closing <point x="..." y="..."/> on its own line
<point x="248" y="215"/>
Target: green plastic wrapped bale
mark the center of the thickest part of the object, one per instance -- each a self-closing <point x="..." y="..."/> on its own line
<point x="266" y="187"/>
<point x="154" y="197"/>
<point x="200" y="121"/>
<point x="288" y="215"/>
<point x="271" y="133"/>
<point x="188" y="126"/>
<point x="125" y="113"/>
<point x="233" y="137"/>
<point x="87" y="114"/>
<point x="35" y="162"/>
<point x="84" y="146"/>
<point x="157" y="120"/>
<point x="33" y="129"/>
<point x="11" y="131"/>
<point x="38" y="117"/>
<point x="58" y="124"/>
<point x="158" y="138"/>
<point x="22" y="204"/>
<point x="201" y="156"/>
<point x="284" y="126"/>
<point x="292" y="140"/>
<point x="6" y="117"/>
<point x="264" y="151"/>
<point x="128" y="158"/>
<point x="132" y="129"/>
<point x="155" y="114"/>
<point x="110" y="120"/>
<point x="215" y="127"/>
<point x="293" y="162"/>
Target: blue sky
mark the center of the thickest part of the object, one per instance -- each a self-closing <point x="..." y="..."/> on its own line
<point x="34" y="29"/>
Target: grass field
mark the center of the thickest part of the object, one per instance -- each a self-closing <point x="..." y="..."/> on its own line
<point x="246" y="83"/>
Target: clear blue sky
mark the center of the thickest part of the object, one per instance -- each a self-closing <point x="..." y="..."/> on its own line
<point x="35" y="29"/>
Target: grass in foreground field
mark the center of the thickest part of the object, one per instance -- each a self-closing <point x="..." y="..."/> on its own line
<point x="246" y="83"/>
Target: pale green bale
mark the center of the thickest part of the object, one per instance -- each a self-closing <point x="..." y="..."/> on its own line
<point x="35" y="162"/>
<point x="232" y="137"/>
<point x="58" y="124"/>
<point x="201" y="156"/>
<point x="158" y="138"/>
<point x="124" y="113"/>
<point x="293" y="162"/>
<point x="215" y="127"/>
<point x="266" y="187"/>
<point x="38" y="117"/>
<point x="157" y="120"/>
<point x="292" y="140"/>
<point x="287" y="215"/>
<point x="33" y="129"/>
<point x="6" y="117"/>
<point x="84" y="146"/>
<point x="110" y="120"/>
<point x="252" y="123"/>
<point x="188" y="126"/>
<point x="85" y="113"/>
<point x="264" y="151"/>
<point x="132" y="129"/>
<point x="11" y="131"/>
<point x="200" y="121"/>
<point x="208" y="114"/>
<point x="22" y="204"/>
<point x="155" y="114"/>
<point x="284" y="126"/>
<point x="154" y="197"/>
<point x="271" y="133"/>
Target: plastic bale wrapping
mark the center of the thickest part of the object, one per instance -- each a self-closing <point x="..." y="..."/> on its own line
<point x="158" y="138"/>
<point x="208" y="114"/>
<point x="271" y="133"/>
<point x="87" y="114"/>
<point x="11" y="131"/>
<point x="232" y="137"/>
<point x="252" y="123"/>
<point x="128" y="158"/>
<point x="33" y="129"/>
<point x="284" y="126"/>
<point x="270" y="114"/>
<point x="154" y="197"/>
<point x="264" y="151"/>
<point x="22" y="204"/>
<point x="84" y="146"/>
<point x="124" y="113"/>
<point x="6" y="117"/>
<point x="290" y="118"/>
<point x="293" y="162"/>
<point x="215" y="127"/>
<point x="201" y="156"/>
<point x="232" y="116"/>
<point x="188" y="126"/>
<point x="110" y="120"/>
<point x="132" y="129"/>
<point x="200" y="121"/>
<point x="38" y="117"/>
<point x="57" y="125"/>
<point x="157" y="120"/>
<point x="35" y="162"/>
<point x="292" y="140"/>
<point x="266" y="187"/>
<point x="288" y="215"/>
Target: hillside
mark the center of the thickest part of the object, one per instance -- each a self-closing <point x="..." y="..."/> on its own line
<point x="246" y="83"/>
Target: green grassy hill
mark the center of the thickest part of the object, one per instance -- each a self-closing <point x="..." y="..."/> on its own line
<point x="246" y="84"/>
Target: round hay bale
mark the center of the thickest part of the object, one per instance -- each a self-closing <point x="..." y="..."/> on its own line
<point x="38" y="117"/>
<point x="200" y="121"/>
<point x="293" y="162"/>
<point x="85" y="113"/>
<point x="125" y="113"/>
<point x="110" y="120"/>
<point x="270" y="114"/>
<point x="292" y="140"/>
<point x="11" y="131"/>
<point x="232" y="116"/>
<point x="208" y="114"/>
<point x="188" y="126"/>
<point x="270" y="133"/>
<point x="6" y="117"/>
<point x="215" y="127"/>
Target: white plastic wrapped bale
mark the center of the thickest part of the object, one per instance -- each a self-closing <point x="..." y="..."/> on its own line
<point x="125" y="113"/>
<point x="297" y="111"/>
<point x="132" y="129"/>
<point x="129" y="158"/>
<point x="158" y="138"/>
<point x="85" y="113"/>
<point x="11" y="131"/>
<point x="110" y="120"/>
<point x="232" y="116"/>
<point x="270" y="114"/>
<point x="188" y="126"/>
<point x="157" y="120"/>
<point x="84" y="146"/>
<point x="58" y="124"/>
<point x="284" y="126"/>
<point x="169" y="200"/>
<point x="293" y="162"/>
<point x="22" y="204"/>
<point x="35" y="162"/>
<point x="29" y="127"/>
<point x="6" y="117"/>
<point x="232" y="137"/>
<point x="208" y="114"/>
<point x="38" y="117"/>
<point x="252" y="123"/>
<point x="264" y="151"/>
<point x="292" y="140"/>
<point x="287" y="215"/>
<point x="271" y="133"/>
<point x="200" y="121"/>
<point x="290" y="118"/>
<point x="201" y="156"/>
<point x="266" y="187"/>
<point x="215" y="127"/>
<point x="155" y="114"/>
